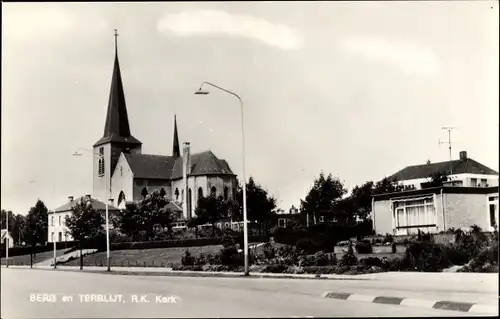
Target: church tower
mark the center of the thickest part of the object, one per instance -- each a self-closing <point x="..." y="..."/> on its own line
<point x="116" y="139"/>
<point x="176" y="152"/>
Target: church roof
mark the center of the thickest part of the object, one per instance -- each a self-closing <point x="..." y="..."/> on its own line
<point x="117" y="128"/>
<point x="168" y="167"/>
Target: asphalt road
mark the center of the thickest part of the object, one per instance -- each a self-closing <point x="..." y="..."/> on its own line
<point x="185" y="297"/>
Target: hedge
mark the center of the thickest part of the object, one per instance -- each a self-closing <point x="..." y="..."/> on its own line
<point x="100" y="243"/>
<point x="26" y="250"/>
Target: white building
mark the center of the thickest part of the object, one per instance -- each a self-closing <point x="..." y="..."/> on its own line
<point x="6" y="235"/>
<point x="57" y="230"/>
<point x="464" y="172"/>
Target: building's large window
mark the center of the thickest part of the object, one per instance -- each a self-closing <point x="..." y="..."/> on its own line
<point x="52" y="237"/>
<point x="52" y="220"/>
<point x="473" y="182"/>
<point x="415" y="213"/>
<point x="226" y="193"/>
<point x="213" y="191"/>
<point x="493" y="211"/>
<point x="200" y="192"/>
<point x="121" y="198"/>
<point x="282" y="222"/>
<point x="59" y="220"/>
<point x="60" y="236"/>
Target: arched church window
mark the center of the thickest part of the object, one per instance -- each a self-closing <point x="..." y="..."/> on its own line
<point x="162" y="192"/>
<point x="189" y="203"/>
<point x="121" y="170"/>
<point x="200" y="193"/>
<point x="213" y="191"/>
<point x="144" y="192"/>
<point x="177" y="194"/>
<point x="100" y="168"/>
<point x="226" y="193"/>
<point x="121" y="198"/>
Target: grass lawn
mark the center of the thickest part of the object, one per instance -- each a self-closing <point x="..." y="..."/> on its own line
<point x="25" y="259"/>
<point x="151" y="257"/>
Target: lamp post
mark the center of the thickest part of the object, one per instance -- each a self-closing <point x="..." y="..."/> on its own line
<point x="108" y="193"/>
<point x="245" y="222"/>
<point x="7" y="239"/>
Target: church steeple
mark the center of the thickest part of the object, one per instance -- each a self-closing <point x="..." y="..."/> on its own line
<point x="117" y="128"/>
<point x="176" y="148"/>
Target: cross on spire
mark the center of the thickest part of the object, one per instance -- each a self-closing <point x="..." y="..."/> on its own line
<point x="116" y="39"/>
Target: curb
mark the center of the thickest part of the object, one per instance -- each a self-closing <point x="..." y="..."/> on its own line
<point x="184" y="273"/>
<point x="419" y="303"/>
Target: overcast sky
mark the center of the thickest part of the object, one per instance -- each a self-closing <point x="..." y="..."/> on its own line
<point x="356" y="89"/>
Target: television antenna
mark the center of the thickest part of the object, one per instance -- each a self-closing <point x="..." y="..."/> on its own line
<point x="449" y="142"/>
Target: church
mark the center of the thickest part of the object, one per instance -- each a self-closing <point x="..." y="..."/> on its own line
<point x="118" y="163"/>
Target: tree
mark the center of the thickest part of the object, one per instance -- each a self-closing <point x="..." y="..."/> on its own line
<point x="210" y="209"/>
<point x="437" y="179"/>
<point x="84" y="223"/>
<point x="128" y="220"/>
<point x="324" y="197"/>
<point x="17" y="229"/>
<point x="260" y="206"/>
<point x="387" y="185"/>
<point x="4" y="215"/>
<point x="361" y="197"/>
<point x="35" y="229"/>
<point x="148" y="215"/>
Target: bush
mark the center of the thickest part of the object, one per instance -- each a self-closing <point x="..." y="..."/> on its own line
<point x="388" y="238"/>
<point x="364" y="247"/>
<point x="269" y="251"/>
<point x="393" y="248"/>
<point x="426" y="256"/>
<point x="320" y="259"/>
<point x="307" y="246"/>
<point x="349" y="258"/>
<point x="372" y="261"/>
<point x="188" y="260"/>
<point x="294" y="270"/>
<point x="276" y="269"/>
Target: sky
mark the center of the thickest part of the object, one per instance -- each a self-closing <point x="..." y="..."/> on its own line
<point x="356" y="89"/>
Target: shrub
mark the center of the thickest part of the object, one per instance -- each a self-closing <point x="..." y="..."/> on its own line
<point x="388" y="238"/>
<point x="349" y="258"/>
<point x="372" y="261"/>
<point x="269" y="251"/>
<point x="294" y="270"/>
<point x="188" y="260"/>
<point x="320" y="259"/>
<point x="393" y="248"/>
<point x="364" y="247"/>
<point x="277" y="269"/>
<point x="425" y="256"/>
<point x="306" y="245"/>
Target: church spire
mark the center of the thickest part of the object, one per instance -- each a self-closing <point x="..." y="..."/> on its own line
<point x="176" y="148"/>
<point x="117" y="127"/>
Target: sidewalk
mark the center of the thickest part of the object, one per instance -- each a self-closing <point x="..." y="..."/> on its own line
<point x="489" y="280"/>
<point x="64" y="258"/>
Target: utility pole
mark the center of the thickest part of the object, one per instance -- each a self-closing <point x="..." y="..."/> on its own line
<point x="449" y="128"/>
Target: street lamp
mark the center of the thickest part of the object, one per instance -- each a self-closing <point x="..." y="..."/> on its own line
<point x="108" y="193"/>
<point x="245" y="222"/>
<point x="7" y="239"/>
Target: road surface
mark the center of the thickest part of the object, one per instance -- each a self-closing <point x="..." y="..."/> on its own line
<point x="189" y="297"/>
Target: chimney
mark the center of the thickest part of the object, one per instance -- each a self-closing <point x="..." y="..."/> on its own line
<point x="70" y="198"/>
<point x="463" y="155"/>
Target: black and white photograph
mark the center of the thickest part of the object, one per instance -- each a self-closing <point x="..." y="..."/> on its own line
<point x="260" y="159"/>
